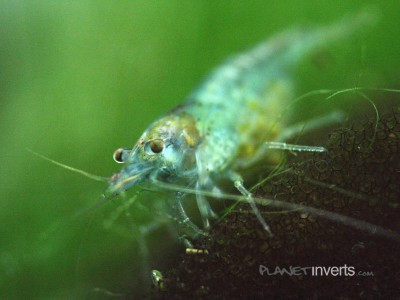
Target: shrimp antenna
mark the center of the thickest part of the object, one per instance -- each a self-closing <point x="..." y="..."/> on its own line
<point x="69" y="168"/>
<point x="335" y="217"/>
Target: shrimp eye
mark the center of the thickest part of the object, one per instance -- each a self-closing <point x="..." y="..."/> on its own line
<point x="119" y="155"/>
<point x="156" y="146"/>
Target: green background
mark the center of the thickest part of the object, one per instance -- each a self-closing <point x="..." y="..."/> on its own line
<point x="79" y="79"/>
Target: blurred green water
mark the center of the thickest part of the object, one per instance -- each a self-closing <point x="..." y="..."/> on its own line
<point x="81" y="78"/>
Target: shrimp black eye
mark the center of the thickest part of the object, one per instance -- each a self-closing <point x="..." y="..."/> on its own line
<point x="156" y="146"/>
<point x="119" y="155"/>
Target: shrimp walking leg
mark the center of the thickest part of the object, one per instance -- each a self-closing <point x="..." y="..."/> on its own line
<point x="183" y="217"/>
<point x="238" y="182"/>
<point x="280" y="146"/>
<point x="291" y="147"/>
<point x="204" y="208"/>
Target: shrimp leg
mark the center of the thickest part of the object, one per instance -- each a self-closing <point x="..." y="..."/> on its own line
<point x="279" y="146"/>
<point x="291" y="147"/>
<point x="204" y="207"/>
<point x="291" y="131"/>
<point x="238" y="182"/>
<point x="183" y="217"/>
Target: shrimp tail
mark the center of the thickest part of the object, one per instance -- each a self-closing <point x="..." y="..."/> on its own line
<point x="292" y="45"/>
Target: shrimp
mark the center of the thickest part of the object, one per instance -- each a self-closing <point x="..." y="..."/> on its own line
<point x="227" y="125"/>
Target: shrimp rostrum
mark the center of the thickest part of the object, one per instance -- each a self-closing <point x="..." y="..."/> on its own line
<point x="228" y="124"/>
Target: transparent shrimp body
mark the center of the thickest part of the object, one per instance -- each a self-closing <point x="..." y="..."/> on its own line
<point x="226" y="125"/>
